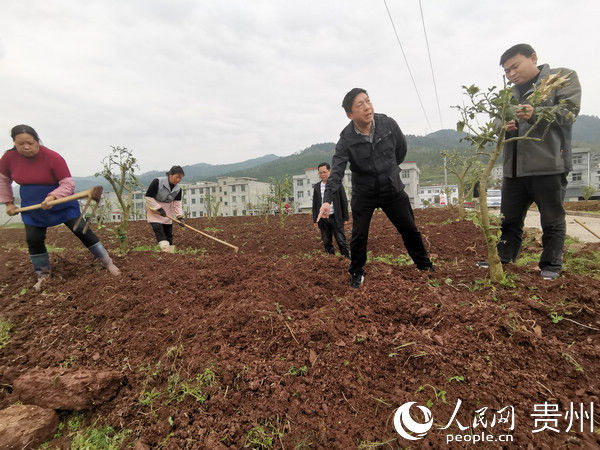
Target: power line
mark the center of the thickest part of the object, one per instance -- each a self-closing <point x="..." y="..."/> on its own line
<point x="437" y="99"/>
<point x="407" y="65"/>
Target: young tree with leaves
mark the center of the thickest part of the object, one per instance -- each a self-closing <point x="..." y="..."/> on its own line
<point x="462" y="165"/>
<point x="280" y="193"/>
<point x="118" y="168"/>
<point x="508" y="117"/>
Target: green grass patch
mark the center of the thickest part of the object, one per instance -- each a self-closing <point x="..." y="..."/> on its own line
<point x="212" y="230"/>
<point x="527" y="258"/>
<point x="587" y="264"/>
<point x="146" y="248"/>
<point x="99" y="438"/>
<point x="401" y="260"/>
<point x="264" y="435"/>
<point x="5" y="328"/>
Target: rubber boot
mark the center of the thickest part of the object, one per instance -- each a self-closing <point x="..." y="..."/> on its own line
<point x="165" y="246"/>
<point x="101" y="254"/>
<point x="41" y="267"/>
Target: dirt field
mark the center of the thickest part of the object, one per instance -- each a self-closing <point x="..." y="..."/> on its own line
<point x="214" y="344"/>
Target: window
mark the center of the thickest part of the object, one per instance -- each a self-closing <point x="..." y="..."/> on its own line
<point x="220" y="199"/>
<point x="300" y="182"/>
<point x="220" y="189"/>
<point x="233" y="198"/>
<point x="233" y="188"/>
<point x="405" y="174"/>
<point x="213" y="189"/>
<point x="224" y="183"/>
<point x="300" y="194"/>
<point x="225" y="203"/>
<point x="193" y="191"/>
<point x="193" y="201"/>
<point x="193" y="213"/>
<point x="243" y="186"/>
<point x="577" y="159"/>
<point x="576" y="176"/>
<point x="243" y="200"/>
<point x="243" y="212"/>
<point x="225" y="193"/>
<point x="235" y="212"/>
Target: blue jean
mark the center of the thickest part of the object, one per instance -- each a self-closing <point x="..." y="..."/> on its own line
<point x="548" y="193"/>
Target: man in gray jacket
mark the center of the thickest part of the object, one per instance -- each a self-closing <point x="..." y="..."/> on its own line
<point x="536" y="170"/>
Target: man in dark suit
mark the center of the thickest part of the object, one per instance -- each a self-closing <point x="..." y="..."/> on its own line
<point x="333" y="226"/>
<point x="375" y="146"/>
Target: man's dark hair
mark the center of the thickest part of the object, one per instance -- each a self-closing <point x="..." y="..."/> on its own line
<point x="175" y="169"/>
<point x="20" y="129"/>
<point x="349" y="98"/>
<point x="324" y="164"/>
<point x="519" y="49"/>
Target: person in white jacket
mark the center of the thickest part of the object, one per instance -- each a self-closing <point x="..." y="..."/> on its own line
<point x="163" y="200"/>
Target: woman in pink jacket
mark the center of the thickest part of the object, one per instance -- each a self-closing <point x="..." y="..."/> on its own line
<point x="43" y="176"/>
<point x="163" y="198"/>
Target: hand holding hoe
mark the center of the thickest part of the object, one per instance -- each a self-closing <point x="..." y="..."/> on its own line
<point x="94" y="193"/>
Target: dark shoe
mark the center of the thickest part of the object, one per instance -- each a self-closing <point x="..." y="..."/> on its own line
<point x="426" y="269"/>
<point x="356" y="280"/>
<point x="549" y="274"/>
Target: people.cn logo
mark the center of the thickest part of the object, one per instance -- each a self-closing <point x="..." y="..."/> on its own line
<point x="407" y="427"/>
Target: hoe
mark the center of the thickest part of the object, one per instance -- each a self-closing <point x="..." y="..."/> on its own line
<point x="94" y="193"/>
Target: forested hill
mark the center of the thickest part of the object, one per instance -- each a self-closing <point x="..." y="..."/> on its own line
<point x="424" y="150"/>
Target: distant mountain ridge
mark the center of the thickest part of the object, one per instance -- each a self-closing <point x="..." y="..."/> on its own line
<point x="424" y="150"/>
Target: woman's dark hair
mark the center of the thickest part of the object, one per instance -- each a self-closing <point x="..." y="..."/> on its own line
<point x="175" y="169"/>
<point x="20" y="129"/>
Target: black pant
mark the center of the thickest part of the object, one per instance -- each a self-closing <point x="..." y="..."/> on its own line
<point x="163" y="231"/>
<point x="548" y="193"/>
<point x="36" y="236"/>
<point x="329" y="228"/>
<point x="397" y="207"/>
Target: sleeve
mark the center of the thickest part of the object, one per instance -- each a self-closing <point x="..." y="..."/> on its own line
<point x="6" y="195"/>
<point x="66" y="187"/>
<point x="401" y="147"/>
<point x="344" y="205"/>
<point x="315" y="205"/>
<point x="177" y="208"/>
<point x="338" y="167"/>
<point x="4" y="164"/>
<point x="60" y="170"/>
<point x="152" y="189"/>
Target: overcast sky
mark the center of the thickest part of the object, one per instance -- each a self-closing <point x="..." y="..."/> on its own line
<point x="183" y="82"/>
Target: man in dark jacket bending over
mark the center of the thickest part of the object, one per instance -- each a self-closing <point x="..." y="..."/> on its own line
<point x="374" y="146"/>
<point x="338" y="214"/>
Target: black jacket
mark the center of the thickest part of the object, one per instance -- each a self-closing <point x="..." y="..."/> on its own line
<point x="340" y="203"/>
<point x="375" y="167"/>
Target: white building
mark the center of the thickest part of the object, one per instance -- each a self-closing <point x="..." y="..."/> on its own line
<point x="303" y="186"/>
<point x="433" y="192"/>
<point x="230" y="196"/>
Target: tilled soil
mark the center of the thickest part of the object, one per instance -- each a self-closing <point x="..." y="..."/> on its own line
<point x="293" y="348"/>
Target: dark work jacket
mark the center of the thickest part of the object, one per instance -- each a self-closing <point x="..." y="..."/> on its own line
<point x="375" y="167"/>
<point x="340" y="203"/>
